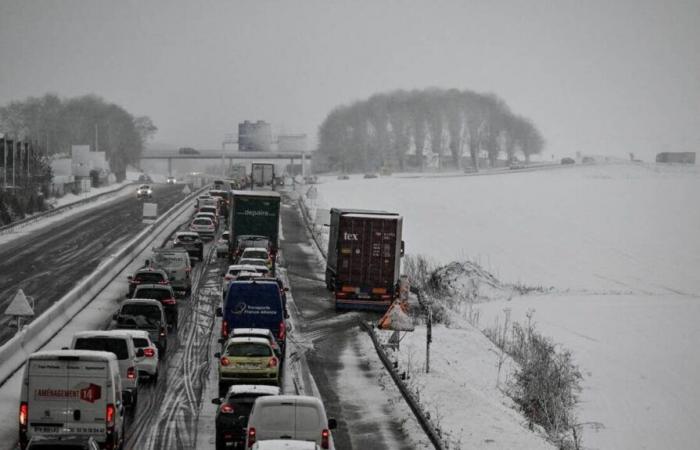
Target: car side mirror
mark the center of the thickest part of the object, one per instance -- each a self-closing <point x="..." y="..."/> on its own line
<point x="286" y="289"/>
<point x="130" y="277"/>
<point x="217" y="401"/>
<point x="217" y="355"/>
<point x="219" y="312"/>
<point x="139" y="353"/>
<point x="332" y="424"/>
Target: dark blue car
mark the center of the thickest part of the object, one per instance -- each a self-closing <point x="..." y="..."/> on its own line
<point x="254" y="304"/>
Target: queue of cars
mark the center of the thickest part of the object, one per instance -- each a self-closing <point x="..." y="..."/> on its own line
<point x="86" y="389"/>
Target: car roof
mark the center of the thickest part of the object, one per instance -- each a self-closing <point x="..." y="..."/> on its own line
<point x="142" y="301"/>
<point x="253" y="389"/>
<point x="247" y="340"/>
<point x="297" y="399"/>
<point x="240" y="267"/>
<point x="151" y="269"/>
<point x="186" y="233"/>
<point x="252" y="249"/>
<point x="168" y="250"/>
<point x="260" y="331"/>
<point x="102" y="333"/>
<point x="87" y="355"/>
<point x="137" y="333"/>
<point x="198" y="217"/>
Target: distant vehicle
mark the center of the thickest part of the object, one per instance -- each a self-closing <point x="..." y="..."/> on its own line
<point x="63" y="442"/>
<point x="233" y="412"/>
<point x="254" y="304"/>
<point x="121" y="344"/>
<point x="370" y="175"/>
<point x="163" y="294"/>
<point x="232" y="273"/>
<point x="82" y="374"/>
<point x="222" y="244"/>
<point x="297" y="417"/>
<point x="143" y="178"/>
<point x="171" y="180"/>
<point x="255" y="213"/>
<point x="204" y="226"/>
<point x="588" y="160"/>
<point x="219" y="184"/>
<point x="147" y="275"/>
<point x="258" y="253"/>
<point x="225" y="200"/>
<point x="145" y="314"/>
<point x="176" y="263"/>
<point x="191" y="242"/>
<point x="211" y="209"/>
<point x="364" y="258"/>
<point x="263" y="175"/>
<point x="144" y="191"/>
<point x="214" y="217"/>
<point x="343" y="177"/>
<point x="311" y="179"/>
<point x="516" y="165"/>
<point x="247" y="360"/>
<point x="248" y="240"/>
<point x="258" y="333"/>
<point x="568" y="161"/>
<point x="255" y="262"/>
<point x="187" y="151"/>
<point x="148" y="363"/>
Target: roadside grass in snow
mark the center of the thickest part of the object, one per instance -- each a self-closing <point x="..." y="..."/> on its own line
<point x="546" y="383"/>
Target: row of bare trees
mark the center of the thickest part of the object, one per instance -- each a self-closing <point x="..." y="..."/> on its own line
<point x="389" y="128"/>
<point x="57" y="124"/>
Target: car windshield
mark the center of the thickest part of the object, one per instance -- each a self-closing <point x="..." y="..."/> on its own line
<point x="156" y="294"/>
<point x="187" y="238"/>
<point x="255" y="254"/>
<point x="150" y="313"/>
<point x="248" y="349"/>
<point x="170" y="259"/>
<point x="149" y="277"/>
<point x="208" y="209"/>
<point x="253" y="262"/>
<point x="140" y="342"/>
<point x="202" y="221"/>
<point x="106" y="344"/>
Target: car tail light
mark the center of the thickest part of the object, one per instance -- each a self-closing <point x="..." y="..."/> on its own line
<point x="325" y="438"/>
<point x="110" y="415"/>
<point x="135" y="281"/>
<point x="224" y="361"/>
<point x="131" y="373"/>
<point x="272" y="362"/>
<point x="283" y="330"/>
<point x="169" y="301"/>
<point x="224" y="328"/>
<point x="164" y="282"/>
<point x="226" y="409"/>
<point x="228" y="277"/>
<point x="386" y="296"/>
<point x="162" y="331"/>
<point x="149" y="352"/>
<point x="188" y="269"/>
<point x="251" y="436"/>
<point x="23" y="415"/>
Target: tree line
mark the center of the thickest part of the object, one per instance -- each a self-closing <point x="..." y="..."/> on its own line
<point x="401" y="128"/>
<point x="56" y="124"/>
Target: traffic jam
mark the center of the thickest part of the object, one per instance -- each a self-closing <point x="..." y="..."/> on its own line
<point x="89" y="392"/>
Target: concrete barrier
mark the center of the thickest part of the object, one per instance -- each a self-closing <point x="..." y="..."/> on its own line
<point x="34" y="336"/>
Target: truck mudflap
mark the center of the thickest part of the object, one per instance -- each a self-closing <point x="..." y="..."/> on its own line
<point x="362" y="304"/>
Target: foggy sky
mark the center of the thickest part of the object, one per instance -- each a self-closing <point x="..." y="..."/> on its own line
<point x="601" y="77"/>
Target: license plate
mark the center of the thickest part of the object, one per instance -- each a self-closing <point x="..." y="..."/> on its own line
<point x="46" y="429"/>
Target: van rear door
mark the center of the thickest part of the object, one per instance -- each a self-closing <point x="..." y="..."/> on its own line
<point x="87" y="410"/>
<point x="308" y="420"/>
<point x="48" y="395"/>
<point x="276" y="421"/>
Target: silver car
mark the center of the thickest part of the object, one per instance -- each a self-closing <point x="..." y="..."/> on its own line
<point x="176" y="263"/>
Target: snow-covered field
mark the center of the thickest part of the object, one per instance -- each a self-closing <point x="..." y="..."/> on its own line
<point x="620" y="246"/>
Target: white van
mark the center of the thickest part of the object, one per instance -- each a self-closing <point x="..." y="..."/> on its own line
<point x="298" y="417"/>
<point x="73" y="392"/>
<point x="121" y="344"/>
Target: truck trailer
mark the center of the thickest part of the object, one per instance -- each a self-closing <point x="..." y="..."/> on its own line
<point x="262" y="176"/>
<point x="254" y="213"/>
<point x="364" y="258"/>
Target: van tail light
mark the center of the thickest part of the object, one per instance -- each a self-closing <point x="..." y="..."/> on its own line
<point x="224" y="328"/>
<point x="110" y="415"/>
<point x="131" y="373"/>
<point x="283" y="331"/>
<point x="23" y="416"/>
<point x="224" y="361"/>
<point x="169" y="301"/>
<point x="226" y="409"/>
<point x="272" y="363"/>
<point x="325" y="438"/>
<point x="228" y="277"/>
<point x="251" y="436"/>
<point x="149" y="352"/>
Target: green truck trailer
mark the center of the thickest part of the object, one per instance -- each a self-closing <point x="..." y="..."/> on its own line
<point x="254" y="213"/>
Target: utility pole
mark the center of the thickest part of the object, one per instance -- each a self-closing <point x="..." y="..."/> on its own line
<point x="4" y="162"/>
<point x="97" y="141"/>
<point x="14" y="159"/>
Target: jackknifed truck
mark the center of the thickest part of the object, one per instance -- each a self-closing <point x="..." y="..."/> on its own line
<point x="364" y="258"/>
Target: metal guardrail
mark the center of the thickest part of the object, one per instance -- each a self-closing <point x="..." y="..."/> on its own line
<point x="52" y="212"/>
<point x="41" y="330"/>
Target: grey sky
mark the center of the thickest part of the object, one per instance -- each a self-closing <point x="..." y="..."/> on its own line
<point x="596" y="76"/>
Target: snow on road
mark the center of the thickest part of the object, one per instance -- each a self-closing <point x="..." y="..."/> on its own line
<point x="620" y="246"/>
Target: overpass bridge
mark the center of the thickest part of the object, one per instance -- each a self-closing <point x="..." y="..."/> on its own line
<point x="227" y="158"/>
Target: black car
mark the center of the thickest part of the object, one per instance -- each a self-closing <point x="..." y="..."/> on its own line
<point x="233" y="413"/>
<point x="164" y="294"/>
<point x="191" y="242"/>
<point x="147" y="275"/>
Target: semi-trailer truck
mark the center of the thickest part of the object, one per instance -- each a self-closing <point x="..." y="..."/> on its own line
<point x="364" y="258"/>
<point x="254" y="213"/>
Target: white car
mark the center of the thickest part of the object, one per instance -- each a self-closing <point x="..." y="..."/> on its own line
<point x="148" y="363"/>
<point x="258" y="332"/>
<point x="257" y="253"/>
<point x="120" y="343"/>
<point x="204" y="226"/>
<point x="214" y="218"/>
<point x="144" y="191"/>
<point x="231" y="273"/>
<point x="257" y="262"/>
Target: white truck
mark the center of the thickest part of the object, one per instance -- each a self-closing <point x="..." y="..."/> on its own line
<point x="76" y="392"/>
